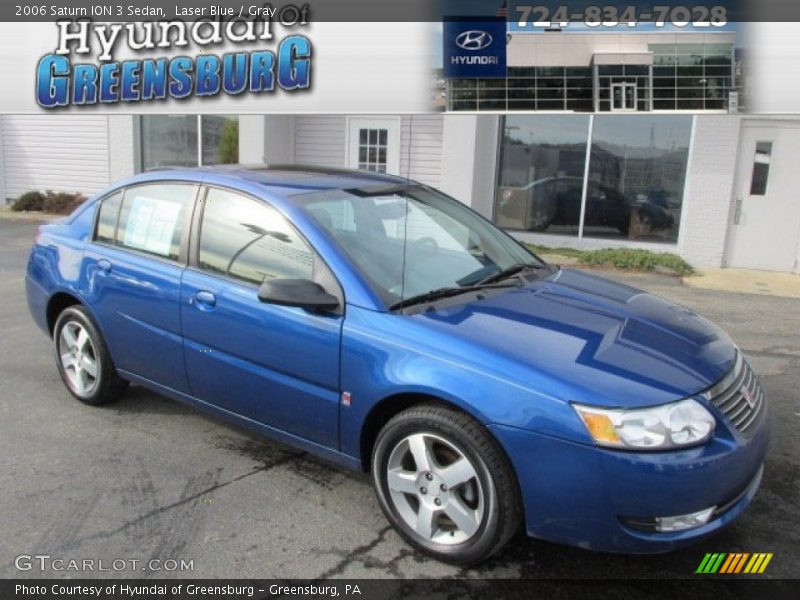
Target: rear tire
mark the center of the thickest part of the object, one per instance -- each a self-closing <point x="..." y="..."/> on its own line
<point x="83" y="360"/>
<point x="445" y="484"/>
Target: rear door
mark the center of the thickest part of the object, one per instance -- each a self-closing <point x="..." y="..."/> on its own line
<point x="133" y="273"/>
<point x="277" y="365"/>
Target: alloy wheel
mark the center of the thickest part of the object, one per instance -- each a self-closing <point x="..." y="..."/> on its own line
<point x="78" y="358"/>
<point x="435" y="489"/>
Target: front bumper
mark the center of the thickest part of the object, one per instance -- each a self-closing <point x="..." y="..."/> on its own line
<point x="588" y="496"/>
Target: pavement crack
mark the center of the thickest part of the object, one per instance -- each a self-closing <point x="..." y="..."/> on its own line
<point x="162" y="509"/>
<point x="348" y="556"/>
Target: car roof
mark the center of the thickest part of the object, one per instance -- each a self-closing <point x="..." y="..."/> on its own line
<point x="285" y="180"/>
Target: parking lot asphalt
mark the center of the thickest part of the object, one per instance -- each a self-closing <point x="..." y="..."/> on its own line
<point x="148" y="478"/>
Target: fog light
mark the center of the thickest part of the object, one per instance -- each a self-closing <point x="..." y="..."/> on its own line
<point x="682" y="522"/>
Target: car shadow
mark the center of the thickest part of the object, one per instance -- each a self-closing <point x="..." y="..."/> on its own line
<point x="230" y="437"/>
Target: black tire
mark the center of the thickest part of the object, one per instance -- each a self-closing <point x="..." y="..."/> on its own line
<point x="105" y="385"/>
<point x="493" y="482"/>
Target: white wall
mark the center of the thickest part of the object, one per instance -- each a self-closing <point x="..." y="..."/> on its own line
<point x="122" y="146"/>
<point x="60" y="153"/>
<point x="469" y="159"/>
<point x="266" y="139"/>
<point x="3" y="195"/>
<point x="709" y="191"/>
<point x="252" y="138"/>
<point x="421" y="148"/>
<point x="322" y="139"/>
<point x="773" y="60"/>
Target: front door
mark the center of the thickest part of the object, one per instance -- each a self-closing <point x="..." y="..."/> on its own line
<point x="765" y="226"/>
<point x="277" y="365"/>
<point x="623" y="97"/>
<point x="373" y="144"/>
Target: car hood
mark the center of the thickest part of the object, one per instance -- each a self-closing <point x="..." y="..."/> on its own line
<point x="591" y="339"/>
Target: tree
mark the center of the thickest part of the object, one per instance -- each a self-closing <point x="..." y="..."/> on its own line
<point x="229" y="142"/>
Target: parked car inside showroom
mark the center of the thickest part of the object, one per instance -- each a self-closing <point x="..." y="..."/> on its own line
<point x="558" y="200"/>
<point x="378" y="323"/>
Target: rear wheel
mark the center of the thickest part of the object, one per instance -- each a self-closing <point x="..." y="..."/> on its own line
<point x="445" y="485"/>
<point x="83" y="360"/>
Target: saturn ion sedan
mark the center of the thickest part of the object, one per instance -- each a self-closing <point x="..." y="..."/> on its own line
<point x="377" y="323"/>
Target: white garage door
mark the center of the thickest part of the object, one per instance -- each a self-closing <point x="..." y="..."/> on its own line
<point x="60" y="153"/>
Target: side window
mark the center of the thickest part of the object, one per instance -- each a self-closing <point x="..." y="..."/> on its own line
<point x="107" y="218"/>
<point x="152" y="218"/>
<point x="248" y="240"/>
<point x="335" y="215"/>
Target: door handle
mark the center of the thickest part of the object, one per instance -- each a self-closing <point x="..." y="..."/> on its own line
<point x="206" y="299"/>
<point x="737" y="214"/>
<point x="104" y="265"/>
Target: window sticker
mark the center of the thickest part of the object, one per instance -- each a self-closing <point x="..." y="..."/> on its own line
<point x="151" y="225"/>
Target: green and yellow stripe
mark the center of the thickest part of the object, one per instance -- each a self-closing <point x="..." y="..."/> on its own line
<point x="734" y="562"/>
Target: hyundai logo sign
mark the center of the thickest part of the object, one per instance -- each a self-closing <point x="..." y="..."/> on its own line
<point x="474" y="47"/>
<point x="474" y="39"/>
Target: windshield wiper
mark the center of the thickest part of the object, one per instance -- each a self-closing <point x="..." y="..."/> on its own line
<point x="508" y="272"/>
<point x="445" y="292"/>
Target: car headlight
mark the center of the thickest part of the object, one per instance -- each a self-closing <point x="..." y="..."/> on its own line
<point x="676" y="425"/>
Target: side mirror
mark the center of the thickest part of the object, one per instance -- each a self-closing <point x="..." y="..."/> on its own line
<point x="303" y="293"/>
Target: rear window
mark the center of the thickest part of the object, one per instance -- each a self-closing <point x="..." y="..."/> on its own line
<point x="152" y="218"/>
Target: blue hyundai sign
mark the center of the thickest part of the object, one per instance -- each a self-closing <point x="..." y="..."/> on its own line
<point x="474" y="48"/>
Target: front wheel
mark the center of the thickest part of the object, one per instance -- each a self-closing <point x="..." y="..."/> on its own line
<point x="445" y="484"/>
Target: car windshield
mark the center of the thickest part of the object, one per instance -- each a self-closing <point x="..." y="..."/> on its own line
<point x="408" y="241"/>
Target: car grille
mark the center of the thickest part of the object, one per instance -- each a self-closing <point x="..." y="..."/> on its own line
<point x="739" y="396"/>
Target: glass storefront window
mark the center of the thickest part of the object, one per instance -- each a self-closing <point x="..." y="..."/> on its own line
<point x="172" y="140"/>
<point x="169" y="141"/>
<point x="636" y="175"/>
<point x="705" y="68"/>
<point x="637" y="172"/>
<point x="220" y="140"/>
<point x="541" y="173"/>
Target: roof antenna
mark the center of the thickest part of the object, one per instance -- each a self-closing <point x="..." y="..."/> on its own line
<point x="407" y="206"/>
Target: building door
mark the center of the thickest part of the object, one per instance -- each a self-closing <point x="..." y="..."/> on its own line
<point x="765" y="228"/>
<point x="374" y="144"/>
<point x="623" y="97"/>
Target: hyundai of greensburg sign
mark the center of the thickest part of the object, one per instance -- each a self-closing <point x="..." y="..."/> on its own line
<point x="474" y="48"/>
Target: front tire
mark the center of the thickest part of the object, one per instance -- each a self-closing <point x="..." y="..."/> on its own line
<point x="83" y="360"/>
<point x="445" y="484"/>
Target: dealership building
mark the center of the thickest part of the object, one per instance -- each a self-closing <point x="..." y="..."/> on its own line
<point x="717" y="190"/>
<point x="607" y="72"/>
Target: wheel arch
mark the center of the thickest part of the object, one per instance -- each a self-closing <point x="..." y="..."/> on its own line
<point x="57" y="303"/>
<point x="384" y="410"/>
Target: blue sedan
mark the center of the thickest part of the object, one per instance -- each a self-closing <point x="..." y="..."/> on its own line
<point x="382" y="325"/>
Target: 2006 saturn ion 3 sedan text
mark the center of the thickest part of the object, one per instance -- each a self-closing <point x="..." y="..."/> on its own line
<point x="378" y="323"/>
